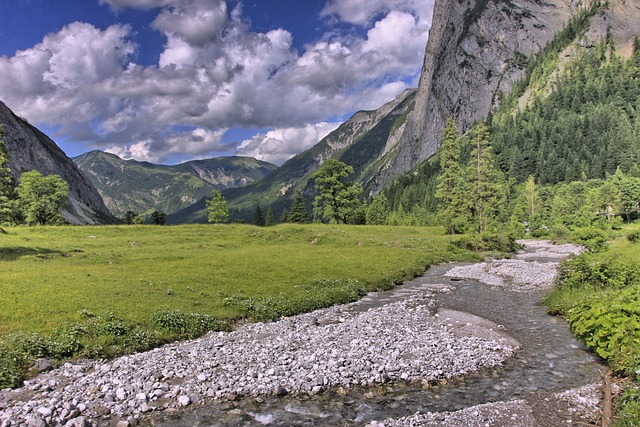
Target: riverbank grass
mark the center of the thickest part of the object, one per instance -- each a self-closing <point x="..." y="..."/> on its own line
<point x="599" y="294"/>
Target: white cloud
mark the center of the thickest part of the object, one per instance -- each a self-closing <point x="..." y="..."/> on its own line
<point x="363" y="12"/>
<point x="279" y="145"/>
<point x="137" y="4"/>
<point x="215" y="73"/>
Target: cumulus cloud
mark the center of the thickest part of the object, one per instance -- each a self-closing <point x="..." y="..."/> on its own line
<point x="215" y="73"/>
<point x="279" y="145"/>
<point x="363" y="12"/>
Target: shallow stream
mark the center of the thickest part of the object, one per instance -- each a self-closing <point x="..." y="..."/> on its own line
<point x="550" y="359"/>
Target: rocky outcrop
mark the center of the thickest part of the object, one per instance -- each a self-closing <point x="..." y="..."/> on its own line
<point x="30" y="149"/>
<point x="478" y="49"/>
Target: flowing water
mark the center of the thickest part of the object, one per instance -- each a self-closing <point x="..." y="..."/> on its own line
<point x="550" y="359"/>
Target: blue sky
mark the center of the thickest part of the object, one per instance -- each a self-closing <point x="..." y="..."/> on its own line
<point x="172" y="80"/>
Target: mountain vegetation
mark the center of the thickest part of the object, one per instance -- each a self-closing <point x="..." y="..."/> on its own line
<point x="141" y="187"/>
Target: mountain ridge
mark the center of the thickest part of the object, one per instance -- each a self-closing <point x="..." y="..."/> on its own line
<point x="131" y="185"/>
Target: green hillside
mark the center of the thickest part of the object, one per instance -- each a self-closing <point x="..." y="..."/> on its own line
<point x="129" y="185"/>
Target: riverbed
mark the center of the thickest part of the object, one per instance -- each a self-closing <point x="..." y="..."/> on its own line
<point x="462" y="336"/>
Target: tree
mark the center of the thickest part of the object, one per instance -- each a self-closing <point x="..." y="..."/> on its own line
<point x="298" y="212"/>
<point x="159" y="218"/>
<point x="337" y="199"/>
<point x="258" y="219"/>
<point x="270" y="220"/>
<point x="7" y="186"/>
<point x="451" y="186"/>
<point x="218" y="211"/>
<point x="487" y="187"/>
<point x="41" y="197"/>
<point x="377" y="211"/>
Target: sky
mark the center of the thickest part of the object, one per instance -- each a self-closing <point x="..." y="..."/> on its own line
<point x="167" y="81"/>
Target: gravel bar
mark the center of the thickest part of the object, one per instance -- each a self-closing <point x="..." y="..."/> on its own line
<point x="334" y="348"/>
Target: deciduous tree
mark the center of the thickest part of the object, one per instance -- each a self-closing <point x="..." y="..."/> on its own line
<point x="337" y="198"/>
<point x="218" y="211"/>
<point x="41" y="197"/>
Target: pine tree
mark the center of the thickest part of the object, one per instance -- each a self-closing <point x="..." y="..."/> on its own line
<point x="487" y="184"/>
<point x="298" y="212"/>
<point x="258" y="219"/>
<point x="270" y="220"/>
<point x="451" y="188"/>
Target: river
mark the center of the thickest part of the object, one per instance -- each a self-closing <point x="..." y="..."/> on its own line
<point x="549" y="359"/>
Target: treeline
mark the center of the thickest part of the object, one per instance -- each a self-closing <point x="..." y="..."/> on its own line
<point x="587" y="127"/>
<point x="578" y="137"/>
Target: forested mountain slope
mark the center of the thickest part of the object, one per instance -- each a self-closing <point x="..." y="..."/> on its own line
<point x="129" y="185"/>
<point x="360" y="142"/>
<point x="478" y="50"/>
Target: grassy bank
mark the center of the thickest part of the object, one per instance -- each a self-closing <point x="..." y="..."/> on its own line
<point x="100" y="291"/>
<point x="599" y="294"/>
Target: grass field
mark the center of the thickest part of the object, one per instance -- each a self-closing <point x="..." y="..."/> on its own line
<point x="48" y="275"/>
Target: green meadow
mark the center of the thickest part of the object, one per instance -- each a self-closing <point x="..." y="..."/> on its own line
<point x="49" y="275"/>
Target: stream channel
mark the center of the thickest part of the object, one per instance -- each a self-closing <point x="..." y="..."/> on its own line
<point x="550" y="359"/>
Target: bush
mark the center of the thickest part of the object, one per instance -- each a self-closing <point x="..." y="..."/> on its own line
<point x="592" y="238"/>
<point x="486" y="241"/>
<point x="634" y="236"/>
<point x="185" y="325"/>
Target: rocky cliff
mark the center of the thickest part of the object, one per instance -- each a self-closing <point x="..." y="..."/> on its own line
<point x="478" y="49"/>
<point x="30" y="149"/>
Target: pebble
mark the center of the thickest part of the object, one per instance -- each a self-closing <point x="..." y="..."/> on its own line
<point x="328" y="350"/>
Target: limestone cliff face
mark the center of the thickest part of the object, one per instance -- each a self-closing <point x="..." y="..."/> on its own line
<point x="29" y="149"/>
<point x="477" y="49"/>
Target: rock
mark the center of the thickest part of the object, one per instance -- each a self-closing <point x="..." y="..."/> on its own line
<point x="184" y="400"/>
<point x="42" y="364"/>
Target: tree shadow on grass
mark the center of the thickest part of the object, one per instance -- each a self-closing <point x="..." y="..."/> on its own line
<point x="14" y="253"/>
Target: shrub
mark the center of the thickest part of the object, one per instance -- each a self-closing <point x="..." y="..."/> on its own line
<point x="487" y="241"/>
<point x="634" y="236"/>
<point x="592" y="238"/>
<point x="185" y="325"/>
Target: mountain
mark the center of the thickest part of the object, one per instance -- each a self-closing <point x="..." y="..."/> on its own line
<point x="360" y="142"/>
<point x="30" y="149"/>
<point x="477" y="51"/>
<point x="129" y="185"/>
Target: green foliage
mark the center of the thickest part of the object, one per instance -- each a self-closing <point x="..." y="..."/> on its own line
<point x="319" y="293"/>
<point x="486" y="184"/>
<point x="634" y="236"/>
<point x="258" y="219"/>
<point x="627" y="407"/>
<point x="183" y="325"/>
<point x="298" y="212"/>
<point x="158" y="218"/>
<point x="610" y="324"/>
<point x="487" y="241"/>
<point x="8" y="196"/>
<point x="377" y="212"/>
<point x="41" y="197"/>
<point x="270" y="219"/>
<point x="337" y="199"/>
<point x="217" y="209"/>
<point x="592" y="238"/>
<point x="452" y="191"/>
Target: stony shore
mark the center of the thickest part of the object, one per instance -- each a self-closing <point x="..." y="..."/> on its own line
<point x="335" y="348"/>
<point x="306" y="354"/>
